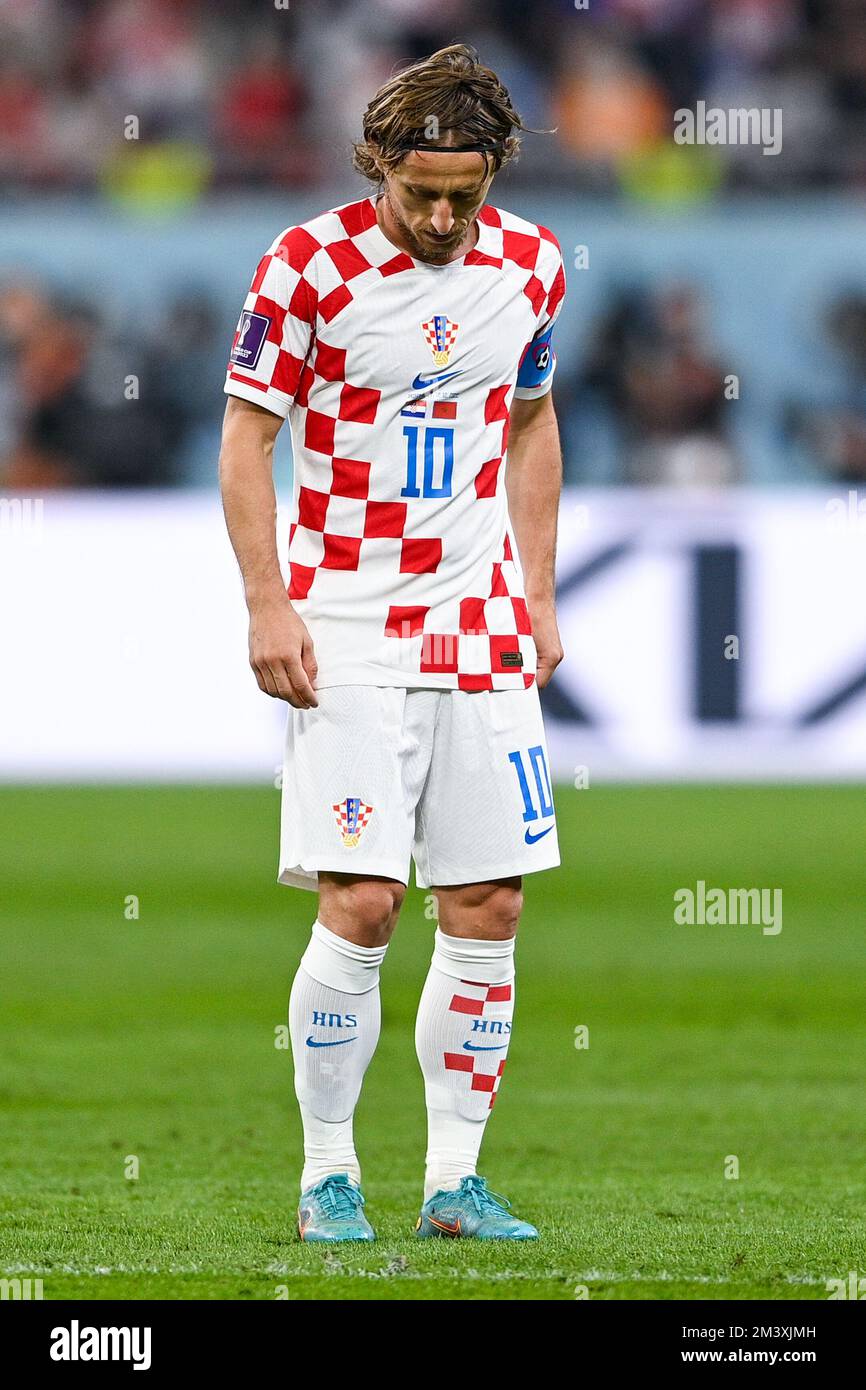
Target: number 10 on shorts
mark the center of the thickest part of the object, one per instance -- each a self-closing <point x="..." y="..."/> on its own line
<point x="541" y="778"/>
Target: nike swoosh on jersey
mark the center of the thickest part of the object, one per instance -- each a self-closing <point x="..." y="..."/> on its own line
<point x="311" y="1042"/>
<point x="531" y="839"/>
<point x="471" y="1048"/>
<point x="423" y="383"/>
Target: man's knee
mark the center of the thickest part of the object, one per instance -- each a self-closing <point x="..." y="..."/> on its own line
<point x="487" y="911"/>
<point x="363" y="910"/>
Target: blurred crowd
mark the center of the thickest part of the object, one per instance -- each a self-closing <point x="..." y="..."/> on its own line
<point x="239" y="93"/>
<point x="653" y="397"/>
<point x="83" y="407"/>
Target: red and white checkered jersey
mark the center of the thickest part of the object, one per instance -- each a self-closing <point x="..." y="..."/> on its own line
<point x="397" y="378"/>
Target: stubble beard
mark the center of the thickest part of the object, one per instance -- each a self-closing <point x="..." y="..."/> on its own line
<point x="420" y="250"/>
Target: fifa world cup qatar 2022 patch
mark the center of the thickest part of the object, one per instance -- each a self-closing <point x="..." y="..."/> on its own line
<point x="352" y="817"/>
<point x="250" y="337"/>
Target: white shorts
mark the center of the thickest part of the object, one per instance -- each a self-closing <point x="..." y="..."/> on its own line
<point x="378" y="775"/>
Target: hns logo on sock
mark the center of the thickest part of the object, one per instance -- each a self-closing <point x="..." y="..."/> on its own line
<point x="352" y="817"/>
<point x="323" y="1020"/>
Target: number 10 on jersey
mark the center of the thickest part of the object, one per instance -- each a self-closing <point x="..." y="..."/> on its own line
<point x="438" y="460"/>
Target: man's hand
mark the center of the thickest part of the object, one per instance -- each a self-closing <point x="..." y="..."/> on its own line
<point x="547" y="643"/>
<point x="281" y="653"/>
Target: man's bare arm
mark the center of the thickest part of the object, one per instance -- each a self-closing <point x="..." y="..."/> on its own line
<point x="533" y="482"/>
<point x="281" y="650"/>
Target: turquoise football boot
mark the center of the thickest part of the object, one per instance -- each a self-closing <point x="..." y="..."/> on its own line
<point x="331" y="1211"/>
<point x="472" y="1211"/>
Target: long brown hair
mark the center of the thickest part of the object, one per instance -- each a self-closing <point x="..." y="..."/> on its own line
<point x="450" y="94"/>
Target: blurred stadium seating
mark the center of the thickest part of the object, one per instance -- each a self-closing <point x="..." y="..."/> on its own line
<point x="262" y="96"/>
<point x="123" y="261"/>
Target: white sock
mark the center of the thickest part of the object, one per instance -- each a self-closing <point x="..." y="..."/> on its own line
<point x="334" y="1001"/>
<point x="468" y="998"/>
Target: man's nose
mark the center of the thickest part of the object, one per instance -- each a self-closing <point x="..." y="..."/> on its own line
<point x="443" y="217"/>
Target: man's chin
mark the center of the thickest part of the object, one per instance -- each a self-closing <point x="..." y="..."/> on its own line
<point x="437" y="250"/>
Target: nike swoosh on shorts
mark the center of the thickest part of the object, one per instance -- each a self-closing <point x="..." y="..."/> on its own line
<point x="531" y="839"/>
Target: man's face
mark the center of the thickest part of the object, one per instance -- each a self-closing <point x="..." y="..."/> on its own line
<point x="434" y="196"/>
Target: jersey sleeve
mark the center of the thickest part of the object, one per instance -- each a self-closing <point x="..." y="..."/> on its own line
<point x="277" y="325"/>
<point x="538" y="363"/>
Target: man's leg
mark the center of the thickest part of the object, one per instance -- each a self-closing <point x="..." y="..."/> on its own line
<point x="484" y="820"/>
<point x="464" y="1022"/>
<point x="334" y="1015"/>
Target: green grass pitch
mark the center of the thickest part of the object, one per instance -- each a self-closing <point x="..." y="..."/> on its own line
<point x="154" y="1038"/>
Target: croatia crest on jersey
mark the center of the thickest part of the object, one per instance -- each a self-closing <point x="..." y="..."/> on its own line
<point x="352" y="816"/>
<point x="440" y="332"/>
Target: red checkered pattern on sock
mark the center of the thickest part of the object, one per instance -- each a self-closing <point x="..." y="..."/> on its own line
<point x="481" y="1080"/>
<point x="474" y="1004"/>
<point x="491" y="994"/>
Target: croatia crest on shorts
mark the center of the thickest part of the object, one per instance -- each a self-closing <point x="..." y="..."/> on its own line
<point x="440" y="332"/>
<point x="352" y="816"/>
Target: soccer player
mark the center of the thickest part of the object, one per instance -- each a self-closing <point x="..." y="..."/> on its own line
<point x="406" y="337"/>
